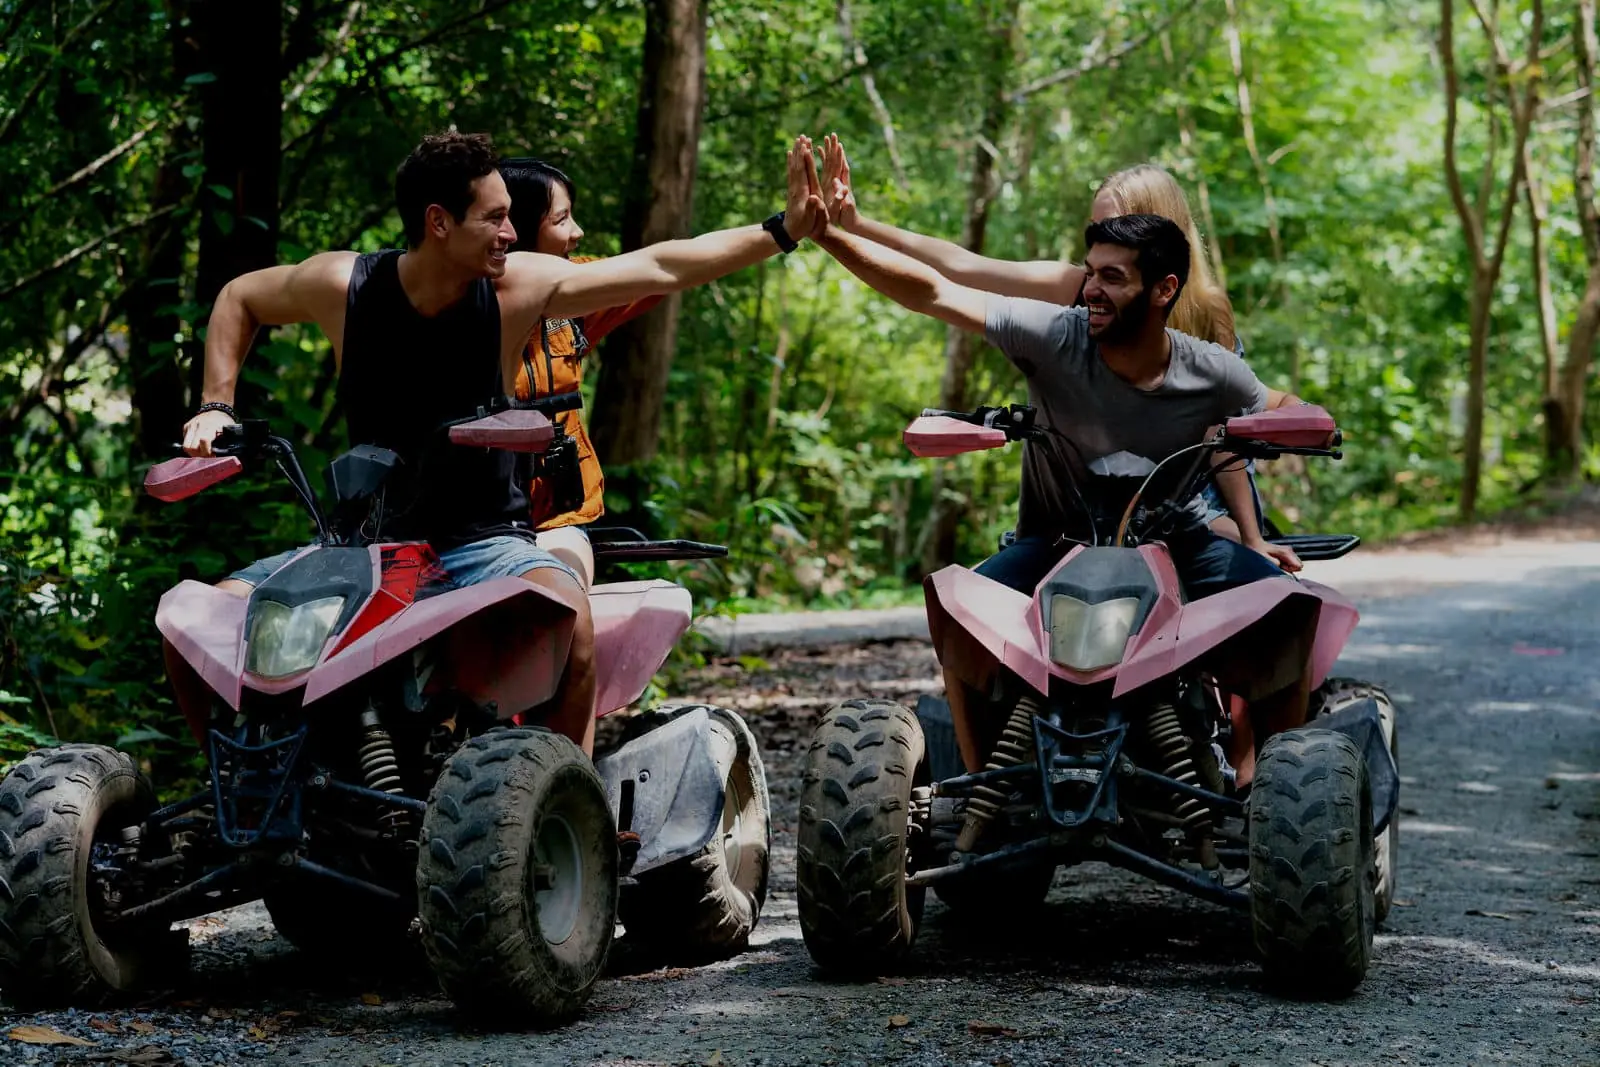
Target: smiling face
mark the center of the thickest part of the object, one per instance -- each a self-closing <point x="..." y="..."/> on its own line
<point x="1114" y="292"/>
<point x="477" y="243"/>
<point x="559" y="233"/>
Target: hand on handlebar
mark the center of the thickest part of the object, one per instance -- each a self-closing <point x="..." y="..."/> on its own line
<point x="200" y="431"/>
<point x="1282" y="555"/>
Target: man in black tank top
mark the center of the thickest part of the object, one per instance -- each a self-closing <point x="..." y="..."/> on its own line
<point x="428" y="334"/>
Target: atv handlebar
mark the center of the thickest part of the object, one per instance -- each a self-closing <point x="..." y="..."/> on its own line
<point x="1016" y="421"/>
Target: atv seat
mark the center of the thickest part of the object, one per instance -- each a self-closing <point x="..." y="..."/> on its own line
<point x="624" y="544"/>
<point x="1318" y="546"/>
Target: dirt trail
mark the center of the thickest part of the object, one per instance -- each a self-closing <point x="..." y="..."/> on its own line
<point x="1492" y="955"/>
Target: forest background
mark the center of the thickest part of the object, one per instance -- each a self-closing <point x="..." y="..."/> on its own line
<point x="1398" y="194"/>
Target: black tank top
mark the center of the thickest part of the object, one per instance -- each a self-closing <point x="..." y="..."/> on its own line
<point x="402" y="375"/>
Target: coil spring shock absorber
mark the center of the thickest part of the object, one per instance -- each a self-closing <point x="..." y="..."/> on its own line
<point x="380" y="768"/>
<point x="1014" y="747"/>
<point x="1174" y="755"/>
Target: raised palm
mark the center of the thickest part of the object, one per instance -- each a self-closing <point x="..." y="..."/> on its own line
<point x="837" y="191"/>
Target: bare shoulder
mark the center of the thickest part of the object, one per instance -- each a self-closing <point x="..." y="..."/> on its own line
<point x="327" y="269"/>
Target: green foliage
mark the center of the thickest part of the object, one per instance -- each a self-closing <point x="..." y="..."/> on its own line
<point x="791" y="383"/>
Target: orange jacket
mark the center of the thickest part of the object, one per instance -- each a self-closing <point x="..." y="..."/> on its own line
<point x="552" y="365"/>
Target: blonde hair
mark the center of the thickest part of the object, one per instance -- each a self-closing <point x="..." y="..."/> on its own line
<point x="1202" y="309"/>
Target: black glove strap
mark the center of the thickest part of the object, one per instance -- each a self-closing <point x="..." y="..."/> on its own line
<point x="774" y="226"/>
<point x="217" y="405"/>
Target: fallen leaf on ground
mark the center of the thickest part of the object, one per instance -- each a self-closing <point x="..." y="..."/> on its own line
<point x="1489" y="914"/>
<point x="891" y="981"/>
<point x="897" y="1021"/>
<point x="715" y="1060"/>
<point x="105" y="1026"/>
<point x="257" y="1033"/>
<point x="980" y="1028"/>
<point x="147" y="1056"/>
<point x="43" y="1035"/>
<point x="139" y="1026"/>
<point x="371" y="999"/>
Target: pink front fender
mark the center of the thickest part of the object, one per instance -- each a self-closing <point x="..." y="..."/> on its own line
<point x="636" y="625"/>
<point x="1201" y="626"/>
<point x="205" y="626"/>
<point x="997" y="617"/>
<point x="507" y="643"/>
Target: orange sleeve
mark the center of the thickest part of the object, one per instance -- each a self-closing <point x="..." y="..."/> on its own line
<point x="597" y="324"/>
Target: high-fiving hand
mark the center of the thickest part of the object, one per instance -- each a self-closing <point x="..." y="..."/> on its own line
<point x="805" y="214"/>
<point x="837" y="193"/>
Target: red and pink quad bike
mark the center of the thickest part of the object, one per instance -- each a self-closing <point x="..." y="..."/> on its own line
<point x="370" y="766"/>
<point x="1094" y="720"/>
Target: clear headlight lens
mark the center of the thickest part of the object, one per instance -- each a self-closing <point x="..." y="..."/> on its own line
<point x="1087" y="637"/>
<point x="287" y="640"/>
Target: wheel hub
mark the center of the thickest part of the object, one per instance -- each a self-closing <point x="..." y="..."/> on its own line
<point x="556" y="879"/>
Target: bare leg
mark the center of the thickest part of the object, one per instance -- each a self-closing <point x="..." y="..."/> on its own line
<point x="573" y="715"/>
<point x="234" y="587"/>
<point x="571" y="546"/>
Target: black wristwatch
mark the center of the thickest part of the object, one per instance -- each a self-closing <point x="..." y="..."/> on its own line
<point x="774" y="226"/>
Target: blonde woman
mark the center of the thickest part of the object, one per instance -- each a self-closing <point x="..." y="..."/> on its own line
<point x="1202" y="309"/>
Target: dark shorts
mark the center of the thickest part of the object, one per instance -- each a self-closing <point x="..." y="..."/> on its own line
<point x="464" y="565"/>
<point x="1206" y="563"/>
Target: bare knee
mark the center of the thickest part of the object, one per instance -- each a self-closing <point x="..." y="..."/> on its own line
<point x="573" y="594"/>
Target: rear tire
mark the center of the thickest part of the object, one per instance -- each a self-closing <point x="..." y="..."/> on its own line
<point x="1334" y="694"/>
<point x="55" y="807"/>
<point x="1311" y="862"/>
<point x="517" y="878"/>
<point x="857" y="914"/>
<point x="704" y="907"/>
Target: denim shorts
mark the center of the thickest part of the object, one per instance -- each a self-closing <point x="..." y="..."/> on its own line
<point x="1216" y="509"/>
<point x="464" y="565"/>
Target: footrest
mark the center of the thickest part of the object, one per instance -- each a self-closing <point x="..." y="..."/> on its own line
<point x="1318" y="546"/>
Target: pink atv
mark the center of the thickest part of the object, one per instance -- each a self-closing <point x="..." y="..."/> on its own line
<point x="369" y="768"/>
<point x="1094" y="720"/>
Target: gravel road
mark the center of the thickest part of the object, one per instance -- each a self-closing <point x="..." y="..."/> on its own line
<point x="1492" y="954"/>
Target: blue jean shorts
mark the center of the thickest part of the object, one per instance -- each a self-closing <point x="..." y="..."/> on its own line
<point x="1216" y="509"/>
<point x="464" y="565"/>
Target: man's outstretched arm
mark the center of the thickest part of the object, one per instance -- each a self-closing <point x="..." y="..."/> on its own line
<point x="906" y="281"/>
<point x="541" y="286"/>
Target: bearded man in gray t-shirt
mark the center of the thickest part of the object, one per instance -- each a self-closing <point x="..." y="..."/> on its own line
<point x="1121" y="391"/>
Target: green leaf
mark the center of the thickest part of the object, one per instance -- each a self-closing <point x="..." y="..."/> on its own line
<point x="222" y="190"/>
<point x="204" y="78"/>
<point x="142" y="734"/>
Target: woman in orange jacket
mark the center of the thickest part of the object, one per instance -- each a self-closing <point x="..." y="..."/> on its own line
<point x="542" y="199"/>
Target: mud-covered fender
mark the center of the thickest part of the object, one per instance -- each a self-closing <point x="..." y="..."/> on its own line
<point x="673" y="785"/>
<point x="1362" y="723"/>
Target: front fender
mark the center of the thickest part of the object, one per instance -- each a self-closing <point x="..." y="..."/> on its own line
<point x="672" y="787"/>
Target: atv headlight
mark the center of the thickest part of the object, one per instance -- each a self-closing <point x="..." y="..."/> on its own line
<point x="286" y="640"/>
<point x="1087" y="637"/>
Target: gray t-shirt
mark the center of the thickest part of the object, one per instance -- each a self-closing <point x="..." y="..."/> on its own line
<point x="1116" y="428"/>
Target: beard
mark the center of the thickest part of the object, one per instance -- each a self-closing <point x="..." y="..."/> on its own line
<point x="1125" y="321"/>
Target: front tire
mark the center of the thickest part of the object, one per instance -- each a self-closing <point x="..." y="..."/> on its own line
<point x="56" y="807"/>
<point x="517" y="878"/>
<point x="704" y="907"/>
<point x="1334" y="695"/>
<point x="857" y="914"/>
<point x="1311" y="862"/>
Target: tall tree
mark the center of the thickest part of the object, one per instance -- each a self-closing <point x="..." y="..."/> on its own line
<point x="241" y="83"/>
<point x="1518" y="80"/>
<point x="632" y="388"/>
<point x="1574" y="379"/>
<point x="961" y="347"/>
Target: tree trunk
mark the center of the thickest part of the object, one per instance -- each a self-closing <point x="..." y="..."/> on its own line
<point x="1477" y="366"/>
<point x="241" y="119"/>
<point x="960" y="347"/>
<point x="1574" y="381"/>
<point x="626" y="425"/>
<point x="159" y="400"/>
<point x="1538" y="215"/>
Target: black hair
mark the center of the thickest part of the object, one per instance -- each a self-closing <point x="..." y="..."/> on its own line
<point x="529" y="182"/>
<point x="441" y="171"/>
<point x="1160" y="244"/>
